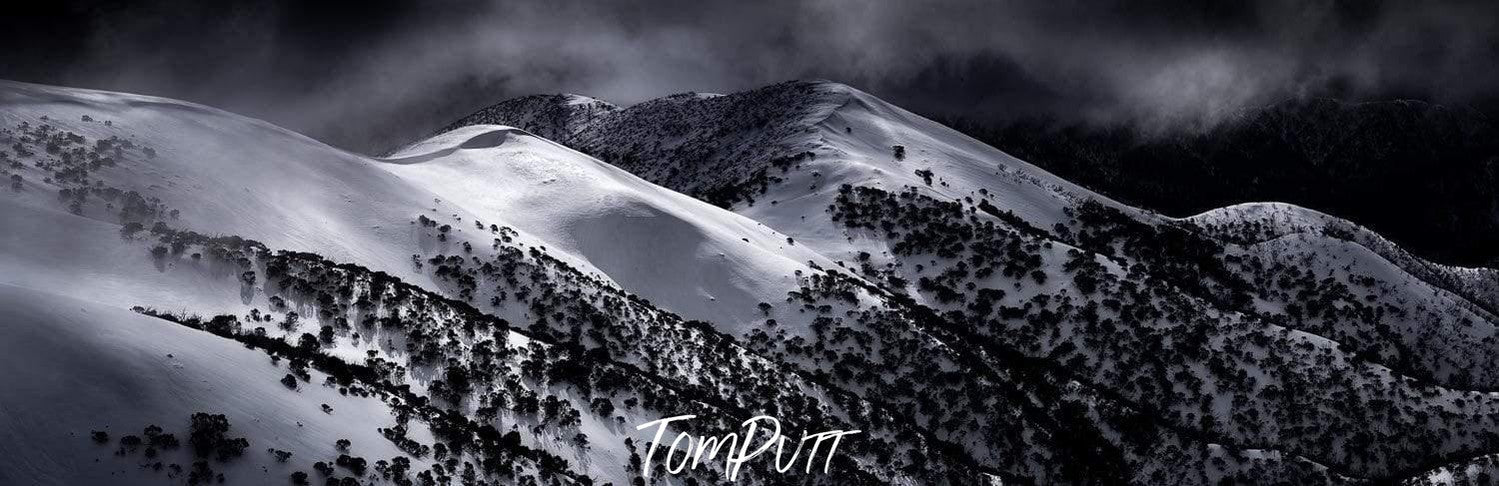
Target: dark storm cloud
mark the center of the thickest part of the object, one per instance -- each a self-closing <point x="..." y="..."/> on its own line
<point x="372" y="74"/>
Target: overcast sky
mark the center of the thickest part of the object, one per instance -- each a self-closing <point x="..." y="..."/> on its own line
<point x="370" y="75"/>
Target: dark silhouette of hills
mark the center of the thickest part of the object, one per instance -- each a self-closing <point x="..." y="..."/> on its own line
<point x="1422" y="174"/>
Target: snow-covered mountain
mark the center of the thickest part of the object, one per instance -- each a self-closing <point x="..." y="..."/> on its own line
<point x="504" y="301"/>
<point x="995" y="243"/>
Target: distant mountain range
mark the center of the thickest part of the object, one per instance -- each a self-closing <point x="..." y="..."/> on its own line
<point x="1423" y="174"/>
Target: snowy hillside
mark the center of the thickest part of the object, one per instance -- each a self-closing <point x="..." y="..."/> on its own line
<point x="1205" y="323"/>
<point x="692" y="258"/>
<point x="101" y="368"/>
<point x="224" y="230"/>
<point x="491" y="306"/>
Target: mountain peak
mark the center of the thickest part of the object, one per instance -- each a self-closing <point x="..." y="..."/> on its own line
<point x="553" y="116"/>
<point x="691" y="142"/>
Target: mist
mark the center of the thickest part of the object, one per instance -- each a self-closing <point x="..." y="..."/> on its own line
<point x="372" y="75"/>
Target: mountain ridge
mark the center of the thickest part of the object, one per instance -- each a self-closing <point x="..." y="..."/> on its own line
<point x="978" y="317"/>
<point x="935" y="183"/>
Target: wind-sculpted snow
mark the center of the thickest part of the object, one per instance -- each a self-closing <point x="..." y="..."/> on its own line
<point x="683" y="254"/>
<point x="489" y="306"/>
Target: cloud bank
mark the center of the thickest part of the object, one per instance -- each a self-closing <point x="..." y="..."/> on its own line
<point x="369" y="75"/>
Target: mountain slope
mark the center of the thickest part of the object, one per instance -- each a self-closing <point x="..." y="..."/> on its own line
<point x="294" y="193"/>
<point x="1202" y="323"/>
<point x="506" y="308"/>
<point x="695" y="259"/>
<point x="105" y="368"/>
<point x="80" y="187"/>
<point x="94" y="212"/>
